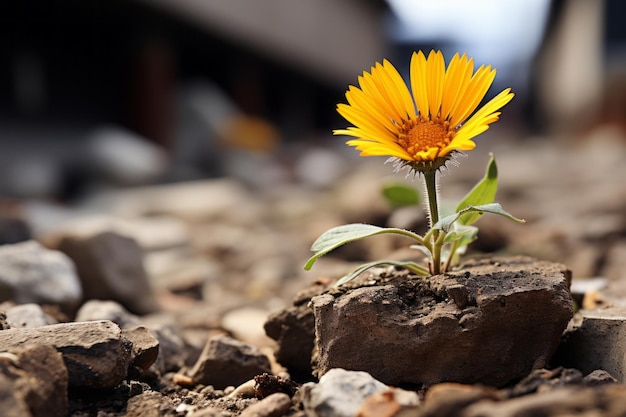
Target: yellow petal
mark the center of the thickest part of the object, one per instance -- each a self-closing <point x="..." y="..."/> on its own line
<point x="428" y="155"/>
<point x="361" y="120"/>
<point x="458" y="145"/>
<point x="400" y="90"/>
<point x="465" y="77"/>
<point x="371" y="90"/>
<point x="435" y="75"/>
<point x="491" y="107"/>
<point x="471" y="98"/>
<point x="381" y="81"/>
<point x="358" y="99"/>
<point x="366" y="135"/>
<point x="374" y="149"/>
<point x="382" y="107"/>
<point x="418" y="82"/>
<point x="457" y="78"/>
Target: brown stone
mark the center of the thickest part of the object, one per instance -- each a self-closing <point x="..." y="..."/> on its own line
<point x="596" y="339"/>
<point x="225" y="361"/>
<point x="145" y="348"/>
<point x="268" y="384"/>
<point x="275" y="405"/>
<point x="34" y="384"/>
<point x="491" y="322"/>
<point x="95" y="353"/>
<point x="110" y="267"/>
<point x="564" y="401"/>
<point x="294" y="330"/>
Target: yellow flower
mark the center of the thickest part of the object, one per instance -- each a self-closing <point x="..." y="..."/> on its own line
<point x="424" y="128"/>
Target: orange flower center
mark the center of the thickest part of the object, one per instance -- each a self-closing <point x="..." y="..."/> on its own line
<point x="424" y="135"/>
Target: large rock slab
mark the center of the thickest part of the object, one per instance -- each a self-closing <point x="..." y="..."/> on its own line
<point x="491" y="322"/>
<point x="95" y="353"/>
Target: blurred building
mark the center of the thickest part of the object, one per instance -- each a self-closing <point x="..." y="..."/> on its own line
<point x="69" y="67"/>
<point x="123" y="61"/>
<point x="102" y="77"/>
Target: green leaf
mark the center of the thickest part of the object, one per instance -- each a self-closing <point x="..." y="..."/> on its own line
<point x="340" y="235"/>
<point x="464" y="234"/>
<point x="484" y="192"/>
<point x="411" y="266"/>
<point x="446" y="223"/>
<point x="399" y="194"/>
<point x="466" y="239"/>
<point x="422" y="249"/>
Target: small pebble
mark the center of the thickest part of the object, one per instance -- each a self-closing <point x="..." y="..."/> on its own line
<point x="275" y="405"/>
<point x="182" y="380"/>
<point x="245" y="390"/>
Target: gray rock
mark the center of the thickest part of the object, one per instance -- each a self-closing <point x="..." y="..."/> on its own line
<point x="28" y="315"/>
<point x="125" y="157"/>
<point x="107" y="310"/>
<point x="339" y="393"/>
<point x="596" y="339"/>
<point x="490" y="323"/>
<point x="95" y="353"/>
<point x="320" y="167"/>
<point x="598" y="377"/>
<point x="34" y="384"/>
<point x="110" y="267"/>
<point x="225" y="361"/>
<point x="30" y="273"/>
<point x="275" y="405"/>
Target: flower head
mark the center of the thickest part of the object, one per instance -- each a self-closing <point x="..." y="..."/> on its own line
<point x="421" y="128"/>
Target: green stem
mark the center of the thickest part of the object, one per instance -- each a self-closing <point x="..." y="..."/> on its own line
<point x="430" y="179"/>
<point x="431" y="193"/>
<point x="453" y="250"/>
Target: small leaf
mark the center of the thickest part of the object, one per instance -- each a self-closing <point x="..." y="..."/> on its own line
<point x="399" y="194"/>
<point x="340" y="235"/>
<point x="446" y="223"/>
<point x="466" y="239"/>
<point x="422" y="249"/>
<point x="484" y="192"/>
<point x="464" y="234"/>
<point x="411" y="266"/>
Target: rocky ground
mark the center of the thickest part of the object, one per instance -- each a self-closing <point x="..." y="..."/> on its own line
<point x="153" y="301"/>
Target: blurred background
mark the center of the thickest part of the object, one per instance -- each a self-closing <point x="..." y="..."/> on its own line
<point x="136" y="91"/>
<point x="104" y="101"/>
